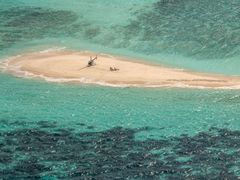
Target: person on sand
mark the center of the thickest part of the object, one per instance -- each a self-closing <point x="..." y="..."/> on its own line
<point x="114" y="69"/>
<point x="91" y="62"/>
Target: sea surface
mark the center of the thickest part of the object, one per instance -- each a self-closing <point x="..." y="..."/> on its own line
<point x="70" y="131"/>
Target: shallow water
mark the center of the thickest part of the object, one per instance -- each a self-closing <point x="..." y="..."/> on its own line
<point x="56" y="131"/>
<point x="100" y="132"/>
<point x="198" y="35"/>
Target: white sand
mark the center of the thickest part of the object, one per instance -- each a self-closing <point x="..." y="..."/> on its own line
<point x="67" y="66"/>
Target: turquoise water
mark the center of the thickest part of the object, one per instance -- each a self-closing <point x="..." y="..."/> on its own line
<point x="198" y="35"/>
<point x="57" y="131"/>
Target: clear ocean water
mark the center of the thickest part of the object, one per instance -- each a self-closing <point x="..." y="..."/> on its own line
<point x="62" y="131"/>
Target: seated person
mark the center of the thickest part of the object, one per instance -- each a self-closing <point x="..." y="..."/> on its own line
<point x="113" y="69"/>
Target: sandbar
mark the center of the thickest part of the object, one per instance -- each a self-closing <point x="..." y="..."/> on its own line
<point x="70" y="66"/>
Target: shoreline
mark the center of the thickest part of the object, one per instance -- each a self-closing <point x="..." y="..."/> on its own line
<point x="70" y="67"/>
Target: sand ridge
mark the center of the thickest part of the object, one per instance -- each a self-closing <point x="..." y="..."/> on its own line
<point x="70" y="66"/>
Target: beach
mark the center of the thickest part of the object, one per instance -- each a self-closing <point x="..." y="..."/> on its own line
<point x="161" y="100"/>
<point x="70" y="66"/>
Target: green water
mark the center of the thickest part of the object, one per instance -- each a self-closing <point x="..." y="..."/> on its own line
<point x="198" y="35"/>
<point x="38" y="118"/>
<point x="177" y="110"/>
<point x="51" y="130"/>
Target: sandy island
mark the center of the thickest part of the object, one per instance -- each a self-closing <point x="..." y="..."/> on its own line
<point x="67" y="66"/>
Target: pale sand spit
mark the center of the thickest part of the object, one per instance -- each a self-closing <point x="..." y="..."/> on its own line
<point x="69" y="66"/>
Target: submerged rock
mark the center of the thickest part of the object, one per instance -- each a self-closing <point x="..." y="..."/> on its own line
<point x="116" y="154"/>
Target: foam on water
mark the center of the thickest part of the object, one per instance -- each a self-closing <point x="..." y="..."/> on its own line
<point x="197" y="35"/>
<point x="53" y="49"/>
<point x="77" y="26"/>
<point x="4" y="67"/>
<point x="66" y="131"/>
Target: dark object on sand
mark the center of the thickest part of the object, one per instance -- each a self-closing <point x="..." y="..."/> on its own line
<point x="113" y="69"/>
<point x="91" y="62"/>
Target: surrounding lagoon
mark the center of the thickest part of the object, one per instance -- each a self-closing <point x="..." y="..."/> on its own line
<point x="55" y="131"/>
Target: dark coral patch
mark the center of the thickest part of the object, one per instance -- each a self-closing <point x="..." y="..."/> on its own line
<point x="116" y="154"/>
<point x="29" y="23"/>
<point x="189" y="28"/>
<point x="47" y="124"/>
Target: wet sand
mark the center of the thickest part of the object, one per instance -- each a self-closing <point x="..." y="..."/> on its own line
<point x="68" y="66"/>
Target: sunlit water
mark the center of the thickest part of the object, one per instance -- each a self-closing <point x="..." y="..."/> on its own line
<point x="52" y="131"/>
